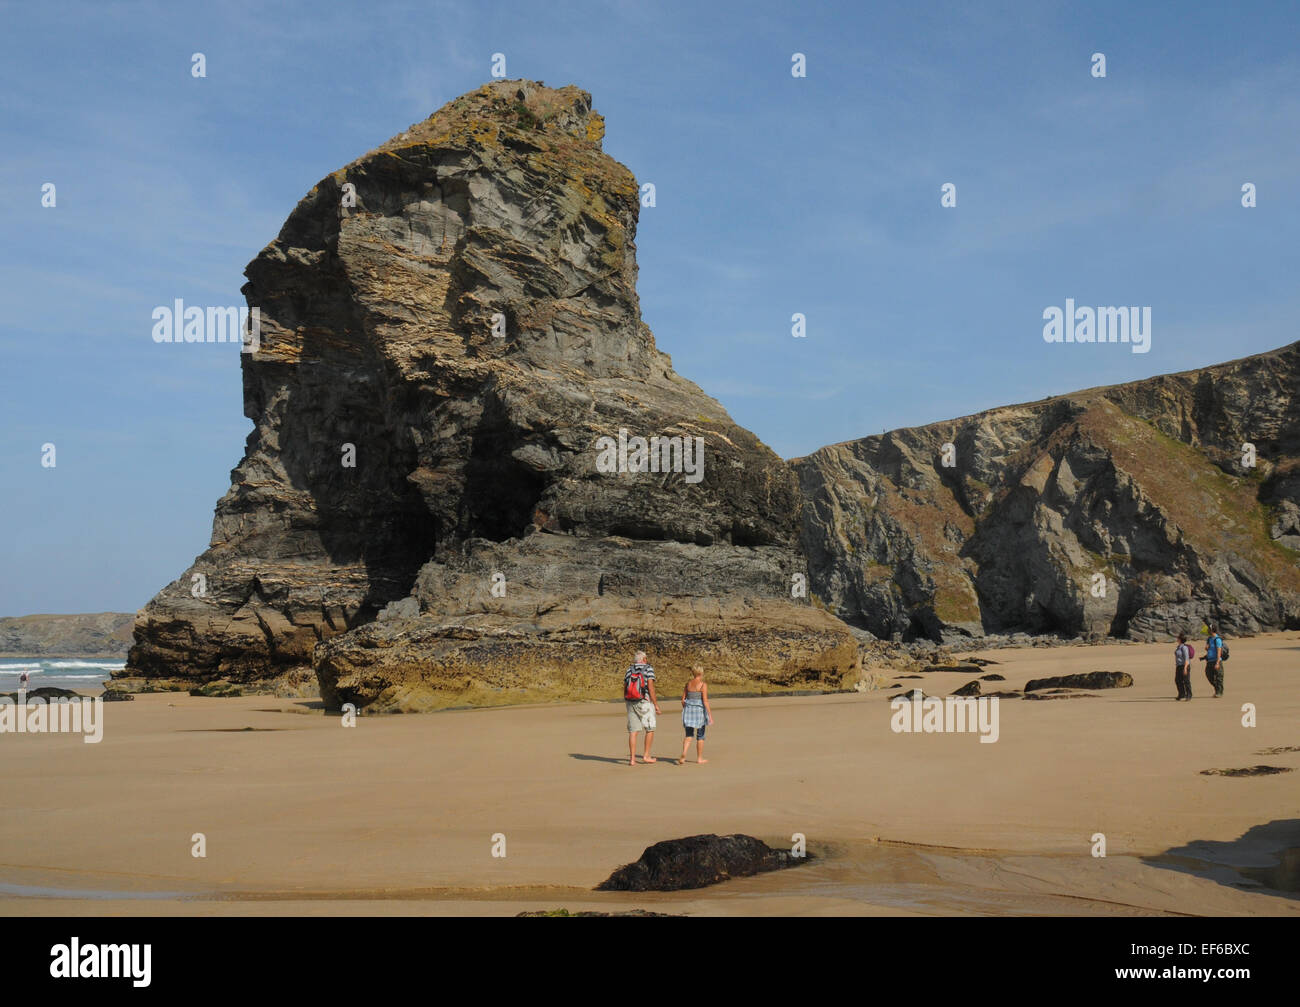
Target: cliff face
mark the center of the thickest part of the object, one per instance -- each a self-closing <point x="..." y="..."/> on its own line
<point x="1142" y="484"/>
<point x="103" y="634"/>
<point x="452" y="377"/>
<point x="445" y="498"/>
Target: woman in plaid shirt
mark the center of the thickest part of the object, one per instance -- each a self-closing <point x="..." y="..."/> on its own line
<point x="696" y="714"/>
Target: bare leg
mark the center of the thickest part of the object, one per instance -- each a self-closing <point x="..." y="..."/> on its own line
<point x="631" y="747"/>
<point x="649" y="740"/>
<point x="686" y="743"/>
<point x="699" y="752"/>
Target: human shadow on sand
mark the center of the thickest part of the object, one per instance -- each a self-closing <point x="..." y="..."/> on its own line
<point x="1265" y="859"/>
<point x="606" y="758"/>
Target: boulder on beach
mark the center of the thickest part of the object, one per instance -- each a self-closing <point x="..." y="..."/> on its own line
<point x="697" y="861"/>
<point x="1087" y="680"/>
<point x="45" y="693"/>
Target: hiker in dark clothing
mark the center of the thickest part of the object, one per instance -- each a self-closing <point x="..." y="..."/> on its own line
<point x="1183" y="669"/>
<point x="1214" y="661"/>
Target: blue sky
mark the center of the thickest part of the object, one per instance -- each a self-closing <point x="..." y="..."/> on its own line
<point x="775" y="195"/>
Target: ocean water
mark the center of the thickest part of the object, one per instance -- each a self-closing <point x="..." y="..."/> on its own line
<point x="61" y="672"/>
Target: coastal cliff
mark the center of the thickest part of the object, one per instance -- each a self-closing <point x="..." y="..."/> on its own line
<point x="1137" y="510"/>
<point x="473" y="478"/>
<point x="101" y="634"/>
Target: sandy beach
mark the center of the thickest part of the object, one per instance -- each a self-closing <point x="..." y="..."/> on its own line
<point x="397" y="815"/>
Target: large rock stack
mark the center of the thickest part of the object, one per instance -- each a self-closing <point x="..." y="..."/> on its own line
<point x="452" y="377"/>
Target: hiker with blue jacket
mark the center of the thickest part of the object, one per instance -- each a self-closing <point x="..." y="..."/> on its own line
<point x="639" y="698"/>
<point x="1215" y="654"/>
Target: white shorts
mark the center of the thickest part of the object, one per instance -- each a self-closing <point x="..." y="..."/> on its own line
<point x="640" y="715"/>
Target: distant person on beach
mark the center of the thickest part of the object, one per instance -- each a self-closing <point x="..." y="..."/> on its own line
<point x="1214" y="661"/>
<point x="642" y="706"/>
<point x="1183" y="669"/>
<point x="696" y="714"/>
<point x="22" y="680"/>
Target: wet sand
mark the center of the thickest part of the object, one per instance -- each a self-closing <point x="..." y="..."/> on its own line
<point x="397" y="815"/>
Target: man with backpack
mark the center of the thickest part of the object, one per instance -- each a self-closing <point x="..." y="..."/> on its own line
<point x="639" y="698"/>
<point x="1215" y="654"/>
<point x="1182" y="669"/>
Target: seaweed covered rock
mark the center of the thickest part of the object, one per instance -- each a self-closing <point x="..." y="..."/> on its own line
<point x="697" y="861"/>
<point x="1086" y="680"/>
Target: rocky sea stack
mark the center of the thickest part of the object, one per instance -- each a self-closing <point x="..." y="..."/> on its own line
<point x="420" y="515"/>
<point x="440" y="504"/>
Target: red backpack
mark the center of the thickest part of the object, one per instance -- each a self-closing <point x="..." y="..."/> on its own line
<point x="634" y="686"/>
